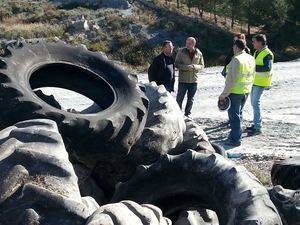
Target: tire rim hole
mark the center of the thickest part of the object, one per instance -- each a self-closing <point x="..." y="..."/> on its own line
<point x="61" y="98"/>
<point x="173" y="206"/>
<point x="71" y="88"/>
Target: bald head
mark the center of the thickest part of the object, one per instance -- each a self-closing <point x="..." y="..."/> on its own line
<point x="191" y="39"/>
<point x="191" y="43"/>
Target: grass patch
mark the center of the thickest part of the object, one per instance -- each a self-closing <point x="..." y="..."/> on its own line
<point x="31" y="30"/>
<point x="260" y="169"/>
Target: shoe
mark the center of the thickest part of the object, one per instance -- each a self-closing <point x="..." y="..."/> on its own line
<point x="250" y="128"/>
<point x="231" y="143"/>
<point x="188" y="116"/>
<point x="254" y="132"/>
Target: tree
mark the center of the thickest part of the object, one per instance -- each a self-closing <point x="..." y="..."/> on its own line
<point x="235" y="10"/>
<point x="5" y="11"/>
<point x="269" y="14"/>
<point x="178" y="3"/>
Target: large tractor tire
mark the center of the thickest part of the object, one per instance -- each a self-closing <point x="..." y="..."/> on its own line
<point x="164" y="129"/>
<point x="105" y="134"/>
<point x="219" y="149"/>
<point x="38" y="184"/>
<point x="163" y="132"/>
<point x="128" y="213"/>
<point x="195" y="180"/>
<point x="88" y="186"/>
<point x="196" y="139"/>
<point x="197" y="217"/>
<point x="287" y="173"/>
<point x="288" y="204"/>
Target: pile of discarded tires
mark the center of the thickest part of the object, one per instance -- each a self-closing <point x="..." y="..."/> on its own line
<point x="133" y="160"/>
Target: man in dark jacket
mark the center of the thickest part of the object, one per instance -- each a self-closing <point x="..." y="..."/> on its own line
<point x="162" y="69"/>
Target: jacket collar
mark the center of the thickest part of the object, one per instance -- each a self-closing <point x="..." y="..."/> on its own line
<point x="186" y="51"/>
<point x="239" y="53"/>
<point x="259" y="51"/>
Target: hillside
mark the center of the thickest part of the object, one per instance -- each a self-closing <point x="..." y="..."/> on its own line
<point x="130" y="33"/>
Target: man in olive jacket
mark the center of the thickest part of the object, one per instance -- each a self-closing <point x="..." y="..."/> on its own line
<point x="190" y="62"/>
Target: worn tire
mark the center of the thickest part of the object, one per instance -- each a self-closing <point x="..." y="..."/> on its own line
<point x="38" y="184"/>
<point x="194" y="138"/>
<point x="88" y="186"/>
<point x="287" y="203"/>
<point x="287" y="173"/>
<point x="219" y="149"/>
<point x="101" y="135"/>
<point x="164" y="127"/>
<point x="192" y="179"/>
<point x="128" y="212"/>
<point x="163" y="132"/>
<point x="197" y="217"/>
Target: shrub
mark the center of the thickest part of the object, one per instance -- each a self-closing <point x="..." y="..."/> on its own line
<point x="103" y="46"/>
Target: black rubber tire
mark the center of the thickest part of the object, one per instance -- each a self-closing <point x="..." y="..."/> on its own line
<point x="128" y="212"/>
<point x="287" y="203"/>
<point x="219" y="149"/>
<point x="197" y="217"/>
<point x="87" y="185"/>
<point x="48" y="98"/>
<point x="102" y="135"/>
<point x="38" y="184"/>
<point x="193" y="138"/>
<point x="163" y="132"/>
<point x="193" y="180"/>
<point x="164" y="127"/>
<point x="196" y="139"/>
<point x="287" y="173"/>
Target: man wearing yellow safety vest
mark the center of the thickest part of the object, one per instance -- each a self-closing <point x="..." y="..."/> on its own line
<point x="263" y="77"/>
<point x="238" y="85"/>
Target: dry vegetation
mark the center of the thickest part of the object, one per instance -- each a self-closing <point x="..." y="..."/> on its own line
<point x="122" y="37"/>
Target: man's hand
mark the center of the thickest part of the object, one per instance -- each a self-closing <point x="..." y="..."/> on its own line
<point x="190" y="67"/>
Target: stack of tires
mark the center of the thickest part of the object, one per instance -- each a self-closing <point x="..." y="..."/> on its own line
<point x="65" y="167"/>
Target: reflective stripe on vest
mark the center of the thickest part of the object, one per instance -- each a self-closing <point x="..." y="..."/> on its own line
<point x="263" y="79"/>
<point x="244" y="81"/>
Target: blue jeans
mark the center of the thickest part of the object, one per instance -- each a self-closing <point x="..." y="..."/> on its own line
<point x="190" y="89"/>
<point x="235" y="114"/>
<point x="256" y="94"/>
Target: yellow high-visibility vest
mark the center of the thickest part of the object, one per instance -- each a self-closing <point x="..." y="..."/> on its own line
<point x="263" y="79"/>
<point x="244" y="81"/>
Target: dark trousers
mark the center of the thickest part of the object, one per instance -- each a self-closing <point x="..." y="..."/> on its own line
<point x="169" y="87"/>
<point x="190" y="89"/>
<point x="235" y="114"/>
